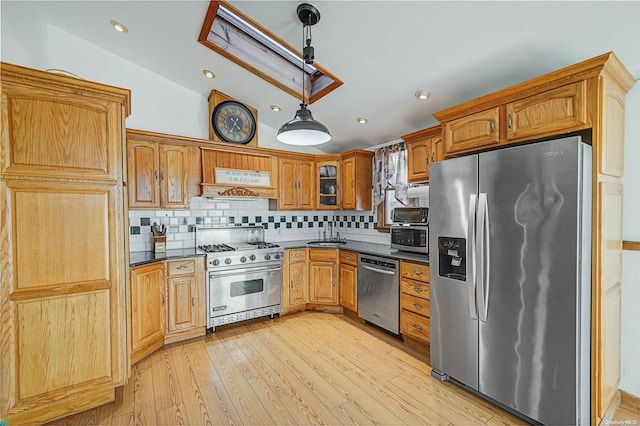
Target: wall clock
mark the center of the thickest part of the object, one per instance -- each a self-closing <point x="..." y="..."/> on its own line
<point x="231" y="121"/>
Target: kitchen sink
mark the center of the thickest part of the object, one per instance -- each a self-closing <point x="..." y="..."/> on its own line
<point x="326" y="243"/>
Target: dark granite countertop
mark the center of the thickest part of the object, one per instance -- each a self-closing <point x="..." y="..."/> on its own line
<point x="364" y="247"/>
<point x="137" y="258"/>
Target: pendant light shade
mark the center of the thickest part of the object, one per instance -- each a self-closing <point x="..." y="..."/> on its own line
<point x="303" y="130"/>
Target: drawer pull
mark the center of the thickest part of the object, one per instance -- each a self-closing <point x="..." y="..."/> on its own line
<point x="417" y="272"/>
<point x="418" y="289"/>
<point x="415" y="305"/>
<point x="182" y="267"/>
<point x="418" y="327"/>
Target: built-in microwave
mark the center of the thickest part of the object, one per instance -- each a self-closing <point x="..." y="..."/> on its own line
<point x="410" y="229"/>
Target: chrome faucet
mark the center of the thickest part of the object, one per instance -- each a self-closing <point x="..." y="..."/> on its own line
<point x="330" y="231"/>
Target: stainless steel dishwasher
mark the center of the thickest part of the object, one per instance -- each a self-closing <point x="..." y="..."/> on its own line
<point x="379" y="291"/>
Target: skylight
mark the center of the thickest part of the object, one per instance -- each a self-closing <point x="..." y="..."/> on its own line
<point x="242" y="40"/>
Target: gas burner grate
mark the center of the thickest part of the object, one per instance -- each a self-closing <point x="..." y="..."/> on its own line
<point x="263" y="244"/>
<point x="215" y="248"/>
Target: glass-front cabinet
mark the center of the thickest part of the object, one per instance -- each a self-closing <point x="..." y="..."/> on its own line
<point x="328" y="184"/>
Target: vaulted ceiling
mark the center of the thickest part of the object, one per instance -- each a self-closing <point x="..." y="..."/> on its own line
<point x="384" y="51"/>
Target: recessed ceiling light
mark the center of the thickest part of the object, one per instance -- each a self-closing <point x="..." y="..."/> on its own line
<point x="276" y="108"/>
<point x="208" y="74"/>
<point x="119" y="27"/>
<point x="362" y="120"/>
<point x="423" y="94"/>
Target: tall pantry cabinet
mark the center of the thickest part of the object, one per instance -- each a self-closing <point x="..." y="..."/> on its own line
<point x="62" y="285"/>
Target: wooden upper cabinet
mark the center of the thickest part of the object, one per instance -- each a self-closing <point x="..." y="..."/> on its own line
<point x="64" y="133"/>
<point x="174" y="165"/>
<point x="329" y="184"/>
<point x="356" y="180"/>
<point x="552" y="112"/>
<point x="161" y="175"/>
<point x="472" y="132"/>
<point x="297" y="183"/>
<point x="423" y="148"/>
<point x="143" y="169"/>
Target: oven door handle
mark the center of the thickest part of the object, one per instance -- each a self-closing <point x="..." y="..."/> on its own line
<point x="243" y="271"/>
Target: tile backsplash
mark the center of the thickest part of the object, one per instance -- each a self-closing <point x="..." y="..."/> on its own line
<point x="279" y="225"/>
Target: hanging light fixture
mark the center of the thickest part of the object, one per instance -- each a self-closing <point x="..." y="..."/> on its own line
<point x="303" y="129"/>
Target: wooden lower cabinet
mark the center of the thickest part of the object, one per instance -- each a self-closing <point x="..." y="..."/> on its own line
<point x="323" y="276"/>
<point x="295" y="285"/>
<point x="148" y="309"/>
<point x="348" y="279"/>
<point x="414" y="300"/>
<point x="186" y="311"/>
<point x="166" y="310"/>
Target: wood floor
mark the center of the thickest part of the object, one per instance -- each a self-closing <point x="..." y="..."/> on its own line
<point x="306" y="368"/>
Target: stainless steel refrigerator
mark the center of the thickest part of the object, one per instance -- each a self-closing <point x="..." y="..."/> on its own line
<point x="510" y="255"/>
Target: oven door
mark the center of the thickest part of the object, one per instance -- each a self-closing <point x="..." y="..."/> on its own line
<point x="244" y="289"/>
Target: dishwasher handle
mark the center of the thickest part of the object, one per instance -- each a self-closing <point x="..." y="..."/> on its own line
<point x="379" y="271"/>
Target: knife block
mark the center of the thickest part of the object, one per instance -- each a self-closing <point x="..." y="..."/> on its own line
<point x="159" y="243"/>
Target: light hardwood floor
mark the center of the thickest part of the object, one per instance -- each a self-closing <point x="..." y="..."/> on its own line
<point x="306" y="368"/>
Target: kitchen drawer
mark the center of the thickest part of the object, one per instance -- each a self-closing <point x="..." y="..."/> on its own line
<point x="181" y="267"/>
<point x="349" y="257"/>
<point x="414" y="271"/>
<point x="297" y="255"/>
<point x="323" y="255"/>
<point x="415" y="325"/>
<point x="414" y="304"/>
<point x="414" y="288"/>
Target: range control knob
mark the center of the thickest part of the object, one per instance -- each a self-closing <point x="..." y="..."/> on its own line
<point x="227" y="261"/>
<point x="276" y="256"/>
<point x="267" y="256"/>
<point x="252" y="257"/>
<point x="215" y="262"/>
<point x="243" y="259"/>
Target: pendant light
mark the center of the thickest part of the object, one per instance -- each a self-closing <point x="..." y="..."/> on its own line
<point x="303" y="129"/>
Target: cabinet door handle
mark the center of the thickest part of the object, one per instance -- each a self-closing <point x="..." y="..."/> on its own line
<point x="291" y="284"/>
<point x="162" y="175"/>
<point x="156" y="173"/>
<point x="433" y="157"/>
<point x="510" y="120"/>
<point x="193" y="301"/>
<point x="493" y="126"/>
<point x="163" y="298"/>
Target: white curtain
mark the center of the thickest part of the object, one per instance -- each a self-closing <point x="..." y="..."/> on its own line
<point x="390" y="173"/>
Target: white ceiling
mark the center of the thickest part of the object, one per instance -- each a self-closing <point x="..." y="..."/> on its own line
<point x="384" y="51"/>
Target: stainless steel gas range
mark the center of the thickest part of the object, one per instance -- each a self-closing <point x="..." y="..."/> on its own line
<point x="244" y="274"/>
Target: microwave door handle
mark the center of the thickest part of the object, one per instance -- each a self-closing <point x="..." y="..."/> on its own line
<point x="471" y="256"/>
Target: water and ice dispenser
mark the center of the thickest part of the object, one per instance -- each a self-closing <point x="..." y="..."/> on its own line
<point x="452" y="258"/>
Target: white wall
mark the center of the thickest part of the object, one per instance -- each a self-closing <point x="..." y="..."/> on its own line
<point x="630" y="347"/>
<point x="23" y="35"/>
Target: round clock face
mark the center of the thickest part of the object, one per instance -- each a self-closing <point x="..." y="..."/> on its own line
<point x="233" y="122"/>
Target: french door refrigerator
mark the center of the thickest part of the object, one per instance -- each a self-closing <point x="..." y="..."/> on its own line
<point x="510" y="255"/>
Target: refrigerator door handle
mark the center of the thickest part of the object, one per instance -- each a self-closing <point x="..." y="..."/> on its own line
<point x="483" y="253"/>
<point x="471" y="256"/>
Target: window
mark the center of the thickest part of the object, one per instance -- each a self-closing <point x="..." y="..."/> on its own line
<point x="240" y="39"/>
